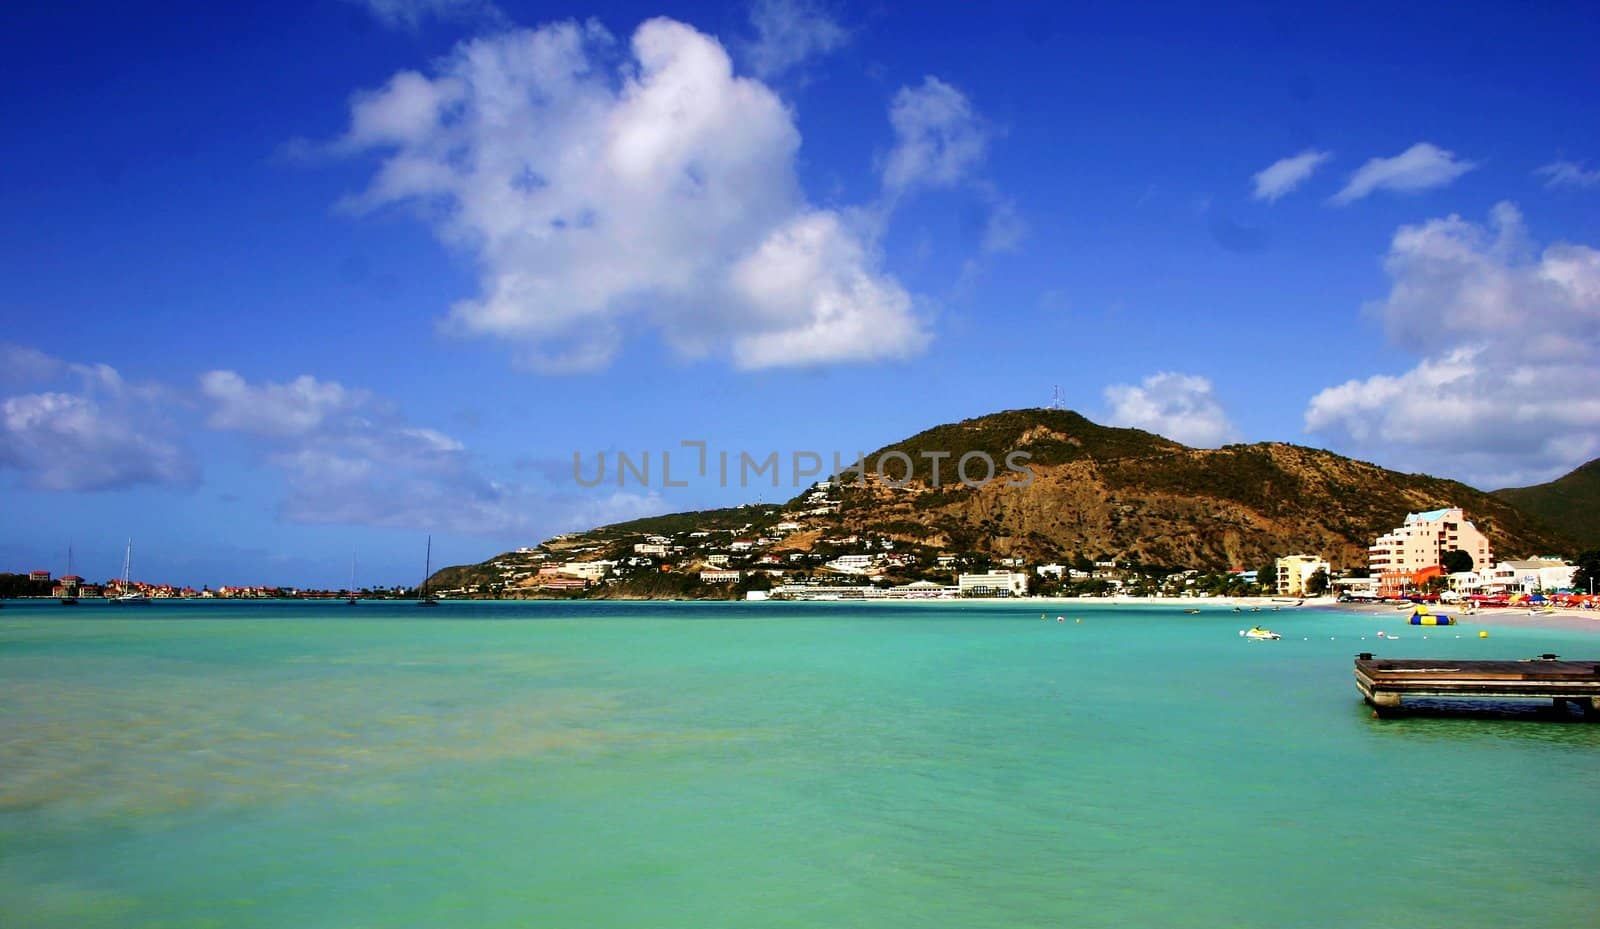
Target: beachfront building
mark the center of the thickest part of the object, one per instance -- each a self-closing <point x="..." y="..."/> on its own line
<point x="1527" y="576"/>
<point x="1397" y="557"/>
<point x="993" y="584"/>
<point x="720" y="576"/>
<point x="1293" y="571"/>
<point x="1356" y="588"/>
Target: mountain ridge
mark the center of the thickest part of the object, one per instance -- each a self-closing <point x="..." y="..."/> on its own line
<point x="1107" y="493"/>
<point x="1568" y="503"/>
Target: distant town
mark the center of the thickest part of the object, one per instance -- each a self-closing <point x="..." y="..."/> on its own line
<point x="1435" y="554"/>
<point x="784" y="555"/>
<point x="42" y="584"/>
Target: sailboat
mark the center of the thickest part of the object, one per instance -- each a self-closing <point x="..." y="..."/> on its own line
<point x="351" y="600"/>
<point x="69" y="595"/>
<point x="129" y="597"/>
<point x="427" y="599"/>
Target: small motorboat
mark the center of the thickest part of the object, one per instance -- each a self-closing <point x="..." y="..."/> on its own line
<point x="1256" y="632"/>
<point x="1191" y="611"/>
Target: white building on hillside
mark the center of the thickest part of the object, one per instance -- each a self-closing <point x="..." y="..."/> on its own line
<point x="588" y="570"/>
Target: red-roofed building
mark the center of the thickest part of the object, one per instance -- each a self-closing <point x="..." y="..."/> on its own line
<point x="39" y="577"/>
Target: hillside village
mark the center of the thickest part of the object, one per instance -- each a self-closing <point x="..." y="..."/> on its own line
<point x="797" y="552"/>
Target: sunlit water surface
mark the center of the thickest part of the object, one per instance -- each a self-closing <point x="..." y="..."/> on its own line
<point x="730" y="765"/>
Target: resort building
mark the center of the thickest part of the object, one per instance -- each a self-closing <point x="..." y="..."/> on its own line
<point x="587" y="570"/>
<point x="993" y="584"/>
<point x="853" y="564"/>
<point x="1528" y="576"/>
<point x="1293" y="571"/>
<point x="1397" y="556"/>
<point x="720" y="576"/>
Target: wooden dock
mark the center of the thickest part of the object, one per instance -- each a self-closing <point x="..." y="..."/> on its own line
<point x="1386" y="682"/>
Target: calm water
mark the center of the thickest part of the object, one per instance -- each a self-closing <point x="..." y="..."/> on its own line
<point x="681" y="765"/>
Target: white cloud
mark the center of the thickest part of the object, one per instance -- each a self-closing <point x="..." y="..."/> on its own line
<point x="1005" y="228"/>
<point x="814" y="271"/>
<point x="91" y="431"/>
<point x="787" y="33"/>
<point x="20" y="364"/>
<point x="1286" y="174"/>
<point x="1508" y="391"/>
<point x="1569" y="174"/>
<point x="940" y="142"/>
<point x="348" y="458"/>
<point x="409" y="15"/>
<point x="939" y="138"/>
<point x="599" y="200"/>
<point x="297" y="408"/>
<point x="1420" y="167"/>
<point x="1178" y="406"/>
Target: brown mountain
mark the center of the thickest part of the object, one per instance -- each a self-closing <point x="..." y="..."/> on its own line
<point x="1131" y="495"/>
<point x="1570" y="504"/>
<point x="1104" y="493"/>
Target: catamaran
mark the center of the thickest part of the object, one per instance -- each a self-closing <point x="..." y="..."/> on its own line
<point x="129" y="596"/>
<point x="351" y="600"/>
<point x="427" y="599"/>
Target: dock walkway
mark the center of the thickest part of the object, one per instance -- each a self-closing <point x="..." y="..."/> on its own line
<point x="1385" y="682"/>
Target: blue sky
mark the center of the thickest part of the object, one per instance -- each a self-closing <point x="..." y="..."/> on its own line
<point x="282" y="283"/>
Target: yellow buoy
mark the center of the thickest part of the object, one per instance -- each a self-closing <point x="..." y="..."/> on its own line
<point x="1483" y="633"/>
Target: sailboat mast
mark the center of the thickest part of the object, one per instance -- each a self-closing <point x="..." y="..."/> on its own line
<point x="425" y="599"/>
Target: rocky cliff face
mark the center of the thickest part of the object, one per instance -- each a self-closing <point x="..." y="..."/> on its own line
<point x="1100" y="491"/>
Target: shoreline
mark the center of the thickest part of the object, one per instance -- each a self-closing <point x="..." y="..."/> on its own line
<point x="1565" y="618"/>
<point x="1562" y="618"/>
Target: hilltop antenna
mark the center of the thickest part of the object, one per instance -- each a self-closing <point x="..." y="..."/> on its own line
<point x="1055" y="397"/>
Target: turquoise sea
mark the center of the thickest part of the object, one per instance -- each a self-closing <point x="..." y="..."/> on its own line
<point x="750" y="765"/>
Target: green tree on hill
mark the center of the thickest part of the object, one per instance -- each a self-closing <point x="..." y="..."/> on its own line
<point x="1588" y="574"/>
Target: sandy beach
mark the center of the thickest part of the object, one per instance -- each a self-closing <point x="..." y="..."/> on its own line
<point x="1560" y="618"/>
